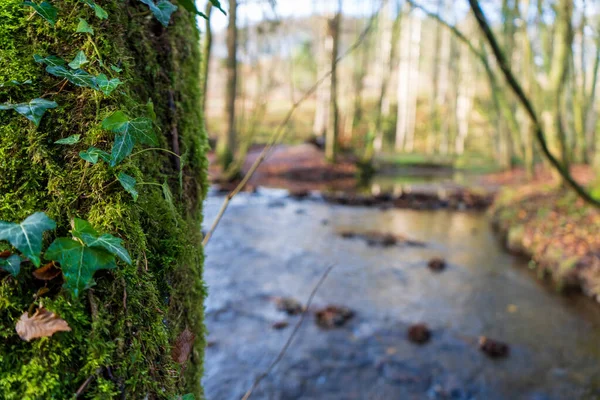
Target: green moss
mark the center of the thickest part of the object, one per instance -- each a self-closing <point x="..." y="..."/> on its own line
<point x="125" y="326"/>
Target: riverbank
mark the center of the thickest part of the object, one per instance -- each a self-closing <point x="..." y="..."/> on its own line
<point x="556" y="230"/>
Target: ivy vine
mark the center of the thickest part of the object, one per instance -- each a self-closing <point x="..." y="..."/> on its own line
<point x="86" y="250"/>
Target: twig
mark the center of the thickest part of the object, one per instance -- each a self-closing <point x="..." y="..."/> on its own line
<point x="292" y="335"/>
<point x="85" y="384"/>
<point x="520" y="93"/>
<point x="280" y="131"/>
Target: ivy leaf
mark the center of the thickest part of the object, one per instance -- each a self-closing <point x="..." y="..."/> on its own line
<point x="150" y="110"/>
<point x="12" y="265"/>
<point x="33" y="111"/>
<point x="79" y="263"/>
<point x="122" y="147"/>
<point x="15" y="83"/>
<point x="99" y="11"/>
<point x="77" y="77"/>
<point x="217" y="3"/>
<point x="128" y="183"/>
<point x="93" y="154"/>
<point x="190" y="5"/>
<point x="45" y="9"/>
<point x="169" y="198"/>
<point x="27" y="236"/>
<point x="79" y="60"/>
<point x="116" y="69"/>
<point x="109" y="243"/>
<point x="162" y="11"/>
<point x="129" y="132"/>
<point x="86" y="232"/>
<point x="84" y="27"/>
<point x="105" y="85"/>
<point x="71" y="140"/>
<point x="115" y="121"/>
<point x="82" y="227"/>
<point x="51" y="61"/>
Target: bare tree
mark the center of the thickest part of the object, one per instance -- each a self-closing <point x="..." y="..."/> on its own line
<point x="384" y="66"/>
<point x="408" y="82"/>
<point x="226" y="145"/>
<point x="333" y="125"/>
<point x="205" y="68"/>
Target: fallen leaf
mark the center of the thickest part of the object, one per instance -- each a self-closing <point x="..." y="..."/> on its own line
<point x="183" y="346"/>
<point x="43" y="323"/>
<point x="47" y="272"/>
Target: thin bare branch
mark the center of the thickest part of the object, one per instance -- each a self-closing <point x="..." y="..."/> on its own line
<point x="292" y="335"/>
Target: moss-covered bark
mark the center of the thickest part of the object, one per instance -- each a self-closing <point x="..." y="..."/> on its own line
<point x="125" y="326"/>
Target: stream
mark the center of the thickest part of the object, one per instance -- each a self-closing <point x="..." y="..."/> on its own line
<point x="269" y="245"/>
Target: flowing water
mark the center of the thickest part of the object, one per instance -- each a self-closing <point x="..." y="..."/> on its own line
<point x="269" y="245"/>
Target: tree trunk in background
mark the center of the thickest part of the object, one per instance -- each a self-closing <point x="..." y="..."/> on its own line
<point x="333" y="126"/>
<point x="528" y="70"/>
<point x="383" y="69"/>
<point x="414" y="77"/>
<point x="563" y="38"/>
<point x="510" y="11"/>
<point x="464" y="104"/>
<point x="324" y="90"/>
<point x="207" y="55"/>
<point x="453" y="93"/>
<point x="442" y="94"/>
<point x="226" y="145"/>
<point x="434" y="117"/>
<point x="591" y="113"/>
<point x="361" y="67"/>
<point x="125" y="328"/>
<point x="578" y="91"/>
<point x="408" y="82"/>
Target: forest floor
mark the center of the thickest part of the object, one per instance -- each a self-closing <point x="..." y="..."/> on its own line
<point x="553" y="228"/>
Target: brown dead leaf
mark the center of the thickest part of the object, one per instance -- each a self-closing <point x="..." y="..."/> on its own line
<point x="47" y="272"/>
<point x="5" y="254"/>
<point x="183" y="346"/>
<point x="43" y="323"/>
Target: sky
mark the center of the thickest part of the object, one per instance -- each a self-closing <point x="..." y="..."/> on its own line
<point x="256" y="10"/>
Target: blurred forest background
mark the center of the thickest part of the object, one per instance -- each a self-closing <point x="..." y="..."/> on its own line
<point x="423" y="83"/>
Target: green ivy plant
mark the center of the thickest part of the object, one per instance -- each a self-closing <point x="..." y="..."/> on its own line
<point x="78" y="257"/>
<point x="86" y="251"/>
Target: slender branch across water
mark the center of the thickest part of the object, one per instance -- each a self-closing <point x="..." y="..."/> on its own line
<point x="292" y="335"/>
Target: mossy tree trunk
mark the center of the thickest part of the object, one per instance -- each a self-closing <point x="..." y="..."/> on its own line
<point x="124" y="328"/>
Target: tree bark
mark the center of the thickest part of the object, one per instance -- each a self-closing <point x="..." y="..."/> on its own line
<point x="563" y="38"/>
<point x="124" y="328"/>
<point x="206" y="57"/>
<point x="334" y="124"/>
<point x="323" y="100"/>
<point x="383" y="67"/>
<point x="227" y="142"/>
